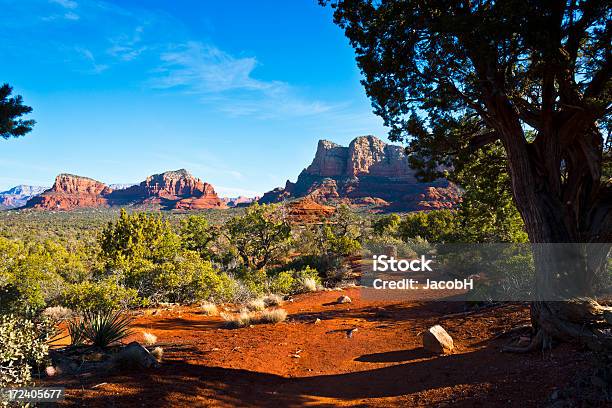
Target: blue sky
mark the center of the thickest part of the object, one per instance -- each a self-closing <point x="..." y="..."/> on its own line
<point x="237" y="92"/>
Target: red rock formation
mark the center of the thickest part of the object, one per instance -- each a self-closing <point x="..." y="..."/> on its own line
<point x="70" y="192"/>
<point x="306" y="211"/>
<point x="170" y="190"/>
<point x="368" y="172"/>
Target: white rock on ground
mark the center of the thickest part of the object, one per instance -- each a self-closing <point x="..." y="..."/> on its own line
<point x="437" y="340"/>
<point x="140" y="355"/>
<point x="344" y="299"/>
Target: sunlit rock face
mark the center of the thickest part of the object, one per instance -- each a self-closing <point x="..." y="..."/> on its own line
<point x="369" y="172"/>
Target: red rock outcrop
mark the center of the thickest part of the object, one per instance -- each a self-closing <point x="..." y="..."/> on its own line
<point x="307" y="211"/>
<point x="169" y="190"/>
<point x="368" y="172"/>
<point x="70" y="192"/>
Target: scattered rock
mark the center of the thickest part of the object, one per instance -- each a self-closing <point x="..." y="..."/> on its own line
<point x="50" y="371"/>
<point x="136" y="354"/>
<point x="344" y="299"/>
<point x="318" y="321"/>
<point x="350" y="332"/>
<point x="437" y="340"/>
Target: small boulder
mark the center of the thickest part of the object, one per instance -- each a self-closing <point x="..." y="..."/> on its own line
<point x="137" y="355"/>
<point x="437" y="340"/>
<point x="50" y="371"/>
<point x="344" y="299"/>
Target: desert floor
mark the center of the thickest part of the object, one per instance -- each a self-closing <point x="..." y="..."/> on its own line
<point x="300" y="363"/>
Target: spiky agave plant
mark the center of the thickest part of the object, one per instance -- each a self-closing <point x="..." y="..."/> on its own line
<point x="100" y="328"/>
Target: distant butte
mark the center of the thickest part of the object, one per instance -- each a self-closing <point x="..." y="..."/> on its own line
<point x="169" y="190"/>
<point x="368" y="172"/>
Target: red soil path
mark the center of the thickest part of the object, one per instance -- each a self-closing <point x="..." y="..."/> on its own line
<point x="382" y="364"/>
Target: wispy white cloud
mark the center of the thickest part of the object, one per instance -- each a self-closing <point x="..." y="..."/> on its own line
<point x="86" y="54"/>
<point x="228" y="82"/>
<point x="67" y="4"/>
<point x="204" y="68"/>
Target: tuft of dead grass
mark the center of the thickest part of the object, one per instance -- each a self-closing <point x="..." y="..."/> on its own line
<point x="149" y="339"/>
<point x="158" y="353"/>
<point x="273" y="300"/>
<point x="273" y="316"/>
<point x="209" y="309"/>
<point x="256" y="305"/>
<point x="308" y="284"/>
<point x="236" y="321"/>
<point x="57" y="313"/>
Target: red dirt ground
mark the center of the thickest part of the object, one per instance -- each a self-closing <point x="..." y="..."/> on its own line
<point x="382" y="364"/>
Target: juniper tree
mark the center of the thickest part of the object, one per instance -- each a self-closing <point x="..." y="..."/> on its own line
<point x="449" y="77"/>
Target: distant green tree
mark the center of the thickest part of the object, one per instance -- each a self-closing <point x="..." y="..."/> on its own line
<point x="259" y="235"/>
<point x="137" y="237"/>
<point x="196" y="234"/>
<point x="387" y="225"/>
<point x="11" y="109"/>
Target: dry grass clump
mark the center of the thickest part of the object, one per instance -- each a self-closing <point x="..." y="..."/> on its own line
<point x="308" y="284"/>
<point x="273" y="316"/>
<point x="273" y="300"/>
<point x="57" y="313"/>
<point x="209" y="309"/>
<point x="236" y="321"/>
<point x="256" y="305"/>
<point x="149" y="339"/>
<point x="158" y="353"/>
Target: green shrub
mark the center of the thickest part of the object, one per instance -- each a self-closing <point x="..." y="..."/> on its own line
<point x="23" y="345"/>
<point x="99" y="296"/>
<point x="434" y="226"/>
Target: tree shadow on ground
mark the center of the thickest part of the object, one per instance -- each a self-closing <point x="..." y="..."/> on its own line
<point x="180" y="383"/>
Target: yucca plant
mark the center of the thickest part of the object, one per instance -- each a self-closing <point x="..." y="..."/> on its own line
<point x="100" y="329"/>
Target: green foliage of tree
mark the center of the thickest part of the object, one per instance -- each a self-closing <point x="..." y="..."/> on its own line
<point x="452" y="77"/>
<point x="196" y="235"/>
<point x="435" y="226"/>
<point x="487" y="212"/>
<point x="11" y="110"/>
<point x="387" y="225"/>
<point x="139" y="237"/>
<point x="259" y="235"/>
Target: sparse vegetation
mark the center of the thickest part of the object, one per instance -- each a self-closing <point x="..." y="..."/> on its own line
<point x="149" y="339"/>
<point x="273" y="316"/>
<point x="100" y="329"/>
<point x="209" y="309"/>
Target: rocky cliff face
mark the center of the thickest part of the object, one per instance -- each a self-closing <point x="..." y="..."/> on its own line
<point x="70" y="192"/>
<point x="19" y="195"/>
<point x="170" y="190"/>
<point x="368" y="172"/>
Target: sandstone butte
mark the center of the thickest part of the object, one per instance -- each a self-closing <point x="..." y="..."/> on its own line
<point x="170" y="190"/>
<point x="368" y="172"/>
<point x="307" y="211"/>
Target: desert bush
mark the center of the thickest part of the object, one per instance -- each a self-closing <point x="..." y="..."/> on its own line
<point x="23" y="345"/>
<point x="272" y="316"/>
<point x="387" y="225"/>
<point x="100" y="328"/>
<point x="57" y="313"/>
<point x="99" y="296"/>
<point x="435" y="226"/>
